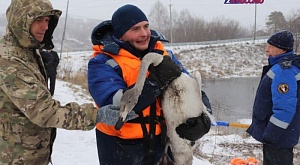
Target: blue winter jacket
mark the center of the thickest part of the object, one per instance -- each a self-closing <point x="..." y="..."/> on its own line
<point x="104" y="86"/>
<point x="111" y="83"/>
<point x="276" y="110"/>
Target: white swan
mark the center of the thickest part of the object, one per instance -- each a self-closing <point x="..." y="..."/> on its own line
<point x="181" y="100"/>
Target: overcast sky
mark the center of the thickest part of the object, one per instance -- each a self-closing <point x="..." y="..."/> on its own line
<point x="207" y="9"/>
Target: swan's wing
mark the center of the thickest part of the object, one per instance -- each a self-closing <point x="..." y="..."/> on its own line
<point x="198" y="78"/>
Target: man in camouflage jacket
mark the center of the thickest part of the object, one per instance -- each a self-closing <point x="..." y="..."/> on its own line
<point x="28" y="113"/>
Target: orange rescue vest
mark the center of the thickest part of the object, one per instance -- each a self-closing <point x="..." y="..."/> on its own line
<point x="130" y="66"/>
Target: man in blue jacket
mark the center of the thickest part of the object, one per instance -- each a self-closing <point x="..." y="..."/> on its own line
<point x="119" y="46"/>
<point x="276" y="111"/>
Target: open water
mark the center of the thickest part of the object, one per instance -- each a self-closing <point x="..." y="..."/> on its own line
<point x="231" y="98"/>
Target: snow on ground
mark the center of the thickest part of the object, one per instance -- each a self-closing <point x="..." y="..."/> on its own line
<point x="73" y="147"/>
<point x="79" y="147"/>
<point x="217" y="147"/>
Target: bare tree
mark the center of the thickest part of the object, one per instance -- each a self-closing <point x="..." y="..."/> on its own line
<point x="188" y="28"/>
<point x="294" y="26"/>
<point x="193" y="29"/>
<point x="215" y="29"/>
<point x="159" y="18"/>
<point x="234" y="29"/>
<point x="197" y="29"/>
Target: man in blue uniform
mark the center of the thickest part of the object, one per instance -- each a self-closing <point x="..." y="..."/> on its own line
<point x="276" y="111"/>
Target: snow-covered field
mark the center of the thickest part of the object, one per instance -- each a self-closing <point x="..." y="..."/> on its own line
<point x="79" y="147"/>
<point x="217" y="147"/>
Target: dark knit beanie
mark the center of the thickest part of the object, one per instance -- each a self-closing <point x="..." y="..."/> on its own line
<point x="283" y="40"/>
<point x="125" y="17"/>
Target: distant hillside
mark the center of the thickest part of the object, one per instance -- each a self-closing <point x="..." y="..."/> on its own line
<point x="77" y="35"/>
<point x="224" y="60"/>
<point x="213" y="61"/>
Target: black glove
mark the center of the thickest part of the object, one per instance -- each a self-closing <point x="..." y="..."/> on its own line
<point x="194" y="128"/>
<point x="150" y="91"/>
<point x="166" y="71"/>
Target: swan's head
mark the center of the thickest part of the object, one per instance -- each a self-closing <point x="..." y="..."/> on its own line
<point x="128" y="101"/>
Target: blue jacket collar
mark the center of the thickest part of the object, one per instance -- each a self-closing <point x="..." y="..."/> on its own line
<point x="274" y="60"/>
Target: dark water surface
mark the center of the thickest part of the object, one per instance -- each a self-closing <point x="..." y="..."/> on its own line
<point x="231" y="98"/>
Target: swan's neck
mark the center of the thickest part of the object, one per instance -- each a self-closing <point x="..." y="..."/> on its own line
<point x="148" y="59"/>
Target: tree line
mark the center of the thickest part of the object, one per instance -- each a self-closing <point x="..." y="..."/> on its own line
<point x="187" y="28"/>
<point x="277" y="22"/>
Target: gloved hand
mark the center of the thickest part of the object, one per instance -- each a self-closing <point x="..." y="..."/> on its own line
<point x="194" y="128"/>
<point x="166" y="71"/>
<point x="110" y="114"/>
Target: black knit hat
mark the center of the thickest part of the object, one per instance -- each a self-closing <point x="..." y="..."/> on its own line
<point x="125" y="17"/>
<point x="283" y="40"/>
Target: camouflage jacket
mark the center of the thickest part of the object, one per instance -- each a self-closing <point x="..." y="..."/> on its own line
<point x="27" y="110"/>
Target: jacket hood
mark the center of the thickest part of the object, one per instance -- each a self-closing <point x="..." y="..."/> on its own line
<point x="102" y="33"/>
<point x="21" y="14"/>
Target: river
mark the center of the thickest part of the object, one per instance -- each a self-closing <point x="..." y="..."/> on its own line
<point x="231" y="98"/>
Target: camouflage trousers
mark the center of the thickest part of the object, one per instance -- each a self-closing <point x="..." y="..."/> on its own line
<point x="23" y="144"/>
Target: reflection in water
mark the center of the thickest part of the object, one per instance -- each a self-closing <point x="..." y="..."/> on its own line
<point x="232" y="98"/>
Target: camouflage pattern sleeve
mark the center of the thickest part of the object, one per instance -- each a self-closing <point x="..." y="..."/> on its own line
<point x="28" y="94"/>
<point x="27" y="111"/>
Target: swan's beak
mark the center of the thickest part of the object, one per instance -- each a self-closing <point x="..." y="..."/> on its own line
<point x="119" y="123"/>
<point x="121" y="120"/>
